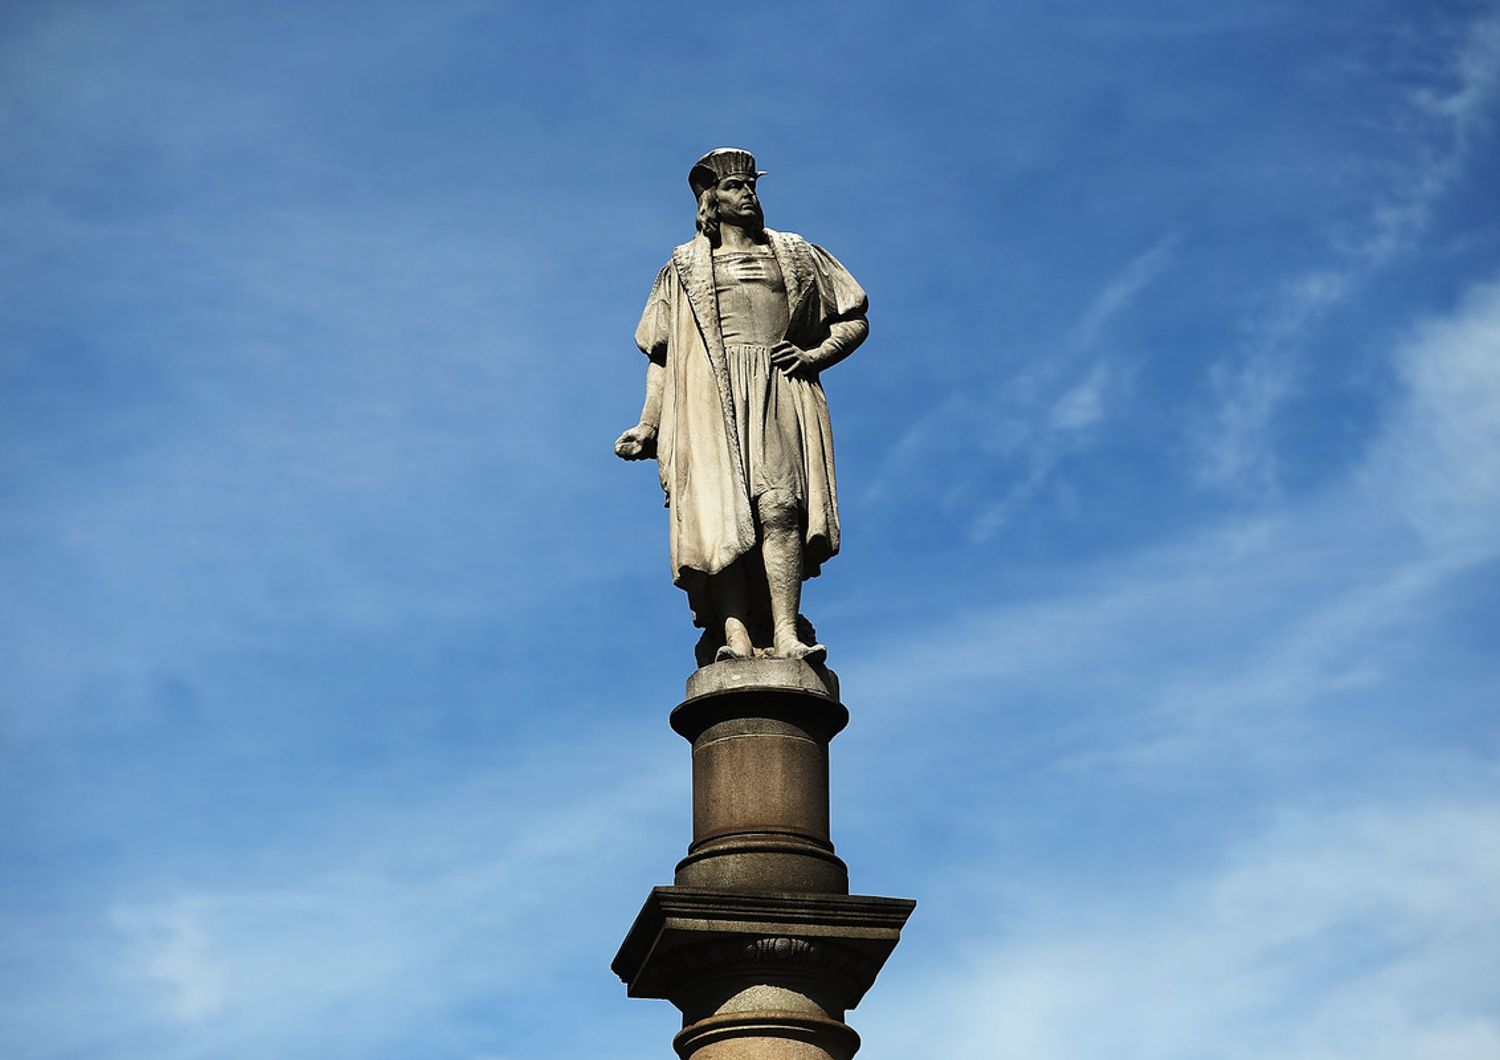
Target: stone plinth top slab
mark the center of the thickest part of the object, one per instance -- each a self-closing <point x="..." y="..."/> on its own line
<point x="818" y="713"/>
<point x="683" y="932"/>
<point x="738" y="674"/>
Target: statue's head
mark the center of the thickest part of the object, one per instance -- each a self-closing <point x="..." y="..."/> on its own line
<point x="723" y="181"/>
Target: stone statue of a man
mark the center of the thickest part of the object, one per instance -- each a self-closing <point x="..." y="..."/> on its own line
<point x="738" y="327"/>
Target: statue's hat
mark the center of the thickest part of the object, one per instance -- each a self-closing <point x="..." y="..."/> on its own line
<point x="719" y="163"/>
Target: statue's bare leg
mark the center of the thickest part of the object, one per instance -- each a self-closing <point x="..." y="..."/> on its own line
<point x="781" y="551"/>
<point x="729" y="595"/>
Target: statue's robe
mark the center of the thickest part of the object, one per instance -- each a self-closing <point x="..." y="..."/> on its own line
<point x="699" y="453"/>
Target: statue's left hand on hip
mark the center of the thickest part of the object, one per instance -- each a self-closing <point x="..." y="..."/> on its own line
<point x="792" y="361"/>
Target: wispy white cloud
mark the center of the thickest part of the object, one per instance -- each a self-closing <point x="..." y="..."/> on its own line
<point x="1439" y="465"/>
<point x="1046" y="437"/>
<point x="175" y="952"/>
<point x="392" y="921"/>
<point x="1300" y="604"/>
<point x="1234" y="444"/>
<point x="1459" y="108"/>
<point x="1049" y="411"/>
<point x="1038" y="416"/>
<point x="1353" y="932"/>
<point x="1324" y="919"/>
<point x="1083" y="405"/>
<point x="1117" y="296"/>
<point x="1234" y="449"/>
<point x="1477" y="76"/>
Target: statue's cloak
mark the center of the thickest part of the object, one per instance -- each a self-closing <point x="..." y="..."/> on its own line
<point x="703" y="471"/>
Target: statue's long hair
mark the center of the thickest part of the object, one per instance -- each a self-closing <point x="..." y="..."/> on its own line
<point x="708" y="216"/>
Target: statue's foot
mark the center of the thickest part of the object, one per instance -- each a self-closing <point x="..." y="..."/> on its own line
<point x="815" y="654"/>
<point x="726" y="653"/>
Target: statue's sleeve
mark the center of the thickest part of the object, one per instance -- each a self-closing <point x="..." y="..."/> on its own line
<point x="656" y="322"/>
<point x="842" y="296"/>
<point x="843" y="306"/>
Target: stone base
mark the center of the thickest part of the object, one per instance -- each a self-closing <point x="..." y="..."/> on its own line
<point x="789" y="674"/>
<point x="760" y="730"/>
<point x="759" y="943"/>
<point x="760" y="976"/>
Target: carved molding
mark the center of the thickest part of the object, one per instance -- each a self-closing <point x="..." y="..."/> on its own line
<point x="742" y="953"/>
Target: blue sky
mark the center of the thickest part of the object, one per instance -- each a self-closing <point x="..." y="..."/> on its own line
<point x="336" y="648"/>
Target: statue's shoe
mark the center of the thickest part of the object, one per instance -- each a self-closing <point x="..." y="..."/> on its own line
<point x="815" y="654"/>
<point x="728" y="654"/>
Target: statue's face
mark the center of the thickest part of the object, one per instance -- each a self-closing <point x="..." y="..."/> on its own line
<point x="738" y="204"/>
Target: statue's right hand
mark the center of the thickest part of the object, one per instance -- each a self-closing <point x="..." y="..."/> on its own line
<point x="638" y="443"/>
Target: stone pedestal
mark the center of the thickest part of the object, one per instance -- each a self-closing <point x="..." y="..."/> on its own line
<point x="759" y="943"/>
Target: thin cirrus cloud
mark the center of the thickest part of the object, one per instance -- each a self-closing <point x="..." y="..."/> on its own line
<point x="1418" y="511"/>
<point x="1038" y="416"/>
<point x="1348" y="932"/>
<point x="1350" y="913"/>
<point x="1434" y="130"/>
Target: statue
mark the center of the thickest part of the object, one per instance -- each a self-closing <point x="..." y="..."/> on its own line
<point x="738" y="327"/>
